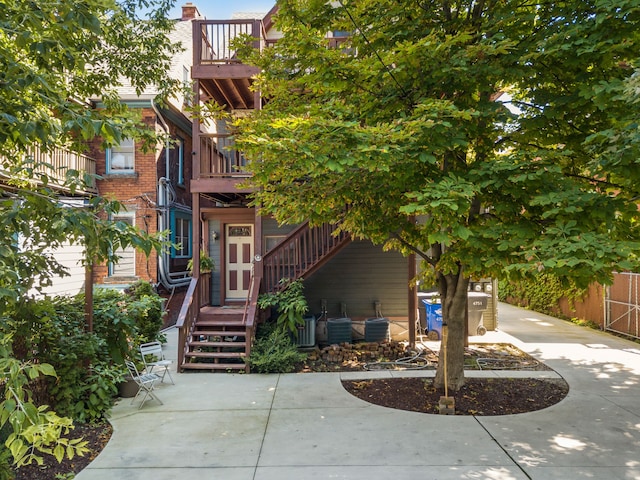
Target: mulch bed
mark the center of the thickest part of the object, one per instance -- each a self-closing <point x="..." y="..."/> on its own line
<point x="479" y="396"/>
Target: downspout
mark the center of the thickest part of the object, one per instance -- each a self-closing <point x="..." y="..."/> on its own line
<point x="168" y="132"/>
<point x="163" y="224"/>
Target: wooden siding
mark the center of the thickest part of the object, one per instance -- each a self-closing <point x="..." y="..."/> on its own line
<point x="70" y="256"/>
<point x="360" y="275"/>
<point x="270" y="228"/>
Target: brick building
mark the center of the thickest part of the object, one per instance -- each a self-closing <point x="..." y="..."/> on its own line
<point x="153" y="184"/>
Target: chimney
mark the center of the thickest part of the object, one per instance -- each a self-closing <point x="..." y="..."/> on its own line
<point x="190" y="11"/>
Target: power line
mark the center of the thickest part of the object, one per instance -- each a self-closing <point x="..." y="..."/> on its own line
<point x="405" y="95"/>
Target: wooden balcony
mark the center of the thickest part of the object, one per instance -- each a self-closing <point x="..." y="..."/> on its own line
<point x="56" y="163"/>
<point x="221" y="168"/>
<point x="221" y="75"/>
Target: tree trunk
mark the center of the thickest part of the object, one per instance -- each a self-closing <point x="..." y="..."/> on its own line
<point x="88" y="298"/>
<point x="453" y="293"/>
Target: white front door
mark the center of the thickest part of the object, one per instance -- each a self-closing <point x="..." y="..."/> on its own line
<point x="239" y="253"/>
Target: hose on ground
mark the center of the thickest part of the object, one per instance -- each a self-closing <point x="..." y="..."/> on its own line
<point x="414" y="362"/>
<point x="502" y="364"/>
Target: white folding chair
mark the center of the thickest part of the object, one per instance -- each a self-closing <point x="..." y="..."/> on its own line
<point x="153" y="357"/>
<point x="146" y="383"/>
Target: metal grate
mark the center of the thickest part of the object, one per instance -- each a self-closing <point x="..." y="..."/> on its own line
<point x="307" y="334"/>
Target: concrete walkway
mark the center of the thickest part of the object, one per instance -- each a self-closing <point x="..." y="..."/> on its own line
<point x="306" y="426"/>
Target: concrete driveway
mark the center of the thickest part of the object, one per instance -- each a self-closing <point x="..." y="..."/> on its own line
<point x="306" y="426"/>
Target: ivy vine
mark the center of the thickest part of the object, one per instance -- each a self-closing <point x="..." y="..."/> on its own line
<point x="542" y="293"/>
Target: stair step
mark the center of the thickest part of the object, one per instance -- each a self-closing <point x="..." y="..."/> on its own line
<point x="241" y="344"/>
<point x="220" y="328"/>
<point x="215" y="354"/>
<point x="220" y="333"/>
<point x="214" y="366"/>
<point x="214" y="321"/>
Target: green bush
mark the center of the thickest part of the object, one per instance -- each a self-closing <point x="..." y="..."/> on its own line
<point x="542" y="293"/>
<point x="274" y="351"/>
<point x="289" y="302"/>
<point x="6" y="459"/>
<point x="113" y="323"/>
<point x="140" y="289"/>
<point x="98" y="392"/>
<point x="146" y="310"/>
<point x="88" y="365"/>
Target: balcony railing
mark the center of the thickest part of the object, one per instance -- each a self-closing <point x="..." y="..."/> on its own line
<point x="56" y="163"/>
<point x="217" y="38"/>
<point x="218" y="158"/>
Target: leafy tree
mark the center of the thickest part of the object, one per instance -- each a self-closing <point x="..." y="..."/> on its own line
<point x="491" y="138"/>
<point x="54" y="57"/>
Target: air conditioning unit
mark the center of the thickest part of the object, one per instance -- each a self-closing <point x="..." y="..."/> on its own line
<point x="307" y="334"/>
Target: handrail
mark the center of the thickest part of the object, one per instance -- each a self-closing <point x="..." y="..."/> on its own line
<point x="187" y="318"/>
<point x="304" y="250"/>
<point x="250" y="311"/>
<point x="198" y="294"/>
<point x="219" y="158"/>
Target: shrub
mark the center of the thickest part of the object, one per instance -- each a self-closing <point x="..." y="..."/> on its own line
<point x="113" y="323"/>
<point x="88" y="365"/>
<point x="289" y="302"/>
<point x="274" y="351"/>
<point x="6" y="459"/>
<point x="146" y="310"/>
<point x="542" y="293"/>
<point x="140" y="289"/>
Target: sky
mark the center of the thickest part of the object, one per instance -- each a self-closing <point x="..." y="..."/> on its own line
<point x="223" y="9"/>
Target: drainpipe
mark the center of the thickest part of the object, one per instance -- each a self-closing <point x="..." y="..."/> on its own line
<point x="166" y="147"/>
<point x="164" y="259"/>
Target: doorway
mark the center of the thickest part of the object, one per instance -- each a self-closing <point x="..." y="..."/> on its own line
<point x="239" y="261"/>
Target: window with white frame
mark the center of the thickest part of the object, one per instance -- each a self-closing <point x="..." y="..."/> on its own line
<point x="186" y="85"/>
<point x="121" y="158"/>
<point x="181" y="234"/>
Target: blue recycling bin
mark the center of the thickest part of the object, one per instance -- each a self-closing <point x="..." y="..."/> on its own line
<point x="477" y="303"/>
<point x="433" y="317"/>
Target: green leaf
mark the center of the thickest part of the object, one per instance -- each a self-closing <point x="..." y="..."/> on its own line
<point x="58" y="452"/>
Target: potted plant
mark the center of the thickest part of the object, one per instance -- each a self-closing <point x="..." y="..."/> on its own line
<point x="207" y="265"/>
<point x="127" y="386"/>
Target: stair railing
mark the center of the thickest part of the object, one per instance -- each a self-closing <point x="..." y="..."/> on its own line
<point x="198" y="295"/>
<point x="304" y="250"/>
<point x="187" y="319"/>
<point x="250" y="312"/>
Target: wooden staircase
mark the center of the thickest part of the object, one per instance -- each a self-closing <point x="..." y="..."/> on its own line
<point x="218" y="341"/>
<point x="301" y="253"/>
<point x="220" y="338"/>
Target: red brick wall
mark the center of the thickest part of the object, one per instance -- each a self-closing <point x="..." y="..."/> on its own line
<point x="138" y="193"/>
